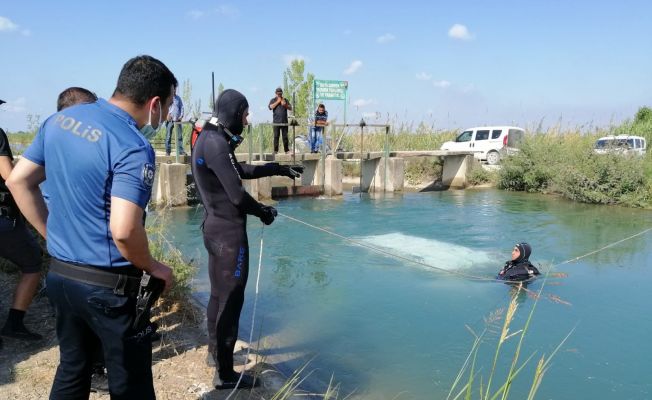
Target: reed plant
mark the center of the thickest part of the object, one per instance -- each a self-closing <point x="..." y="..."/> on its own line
<point x="165" y="251"/>
<point x="473" y="383"/>
<point x="400" y="137"/>
<point x="291" y="388"/>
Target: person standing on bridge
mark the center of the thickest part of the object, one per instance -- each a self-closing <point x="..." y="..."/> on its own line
<point x="218" y="176"/>
<point x="280" y="106"/>
<point x="175" y="115"/>
<point x="317" y="131"/>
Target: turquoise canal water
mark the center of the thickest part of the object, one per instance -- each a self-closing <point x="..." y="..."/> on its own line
<point x="386" y="328"/>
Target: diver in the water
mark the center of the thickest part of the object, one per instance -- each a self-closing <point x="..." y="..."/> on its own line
<point x="519" y="267"/>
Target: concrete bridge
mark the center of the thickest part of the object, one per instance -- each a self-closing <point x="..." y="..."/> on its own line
<point x="380" y="172"/>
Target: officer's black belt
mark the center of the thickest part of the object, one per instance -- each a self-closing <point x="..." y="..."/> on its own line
<point x="120" y="283"/>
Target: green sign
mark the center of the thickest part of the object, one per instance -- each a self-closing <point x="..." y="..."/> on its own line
<point x="330" y="90"/>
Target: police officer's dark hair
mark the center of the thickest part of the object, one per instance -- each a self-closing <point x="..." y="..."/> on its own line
<point x="144" y="77"/>
<point x="75" y="95"/>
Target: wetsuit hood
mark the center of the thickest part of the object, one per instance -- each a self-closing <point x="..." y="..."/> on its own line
<point x="525" y="250"/>
<point x="229" y="110"/>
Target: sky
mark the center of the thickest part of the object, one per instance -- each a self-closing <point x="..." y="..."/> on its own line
<point x="448" y="64"/>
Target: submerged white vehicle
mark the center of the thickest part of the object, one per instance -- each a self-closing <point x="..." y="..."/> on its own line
<point x="621" y="144"/>
<point x="488" y="142"/>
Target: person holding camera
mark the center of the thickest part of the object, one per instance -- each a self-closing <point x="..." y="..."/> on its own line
<point x="280" y="106"/>
<point x="218" y="176"/>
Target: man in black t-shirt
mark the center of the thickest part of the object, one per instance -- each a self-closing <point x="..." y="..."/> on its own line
<point x="19" y="246"/>
<point x="280" y="106"/>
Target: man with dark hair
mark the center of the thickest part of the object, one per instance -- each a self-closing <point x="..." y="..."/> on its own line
<point x="68" y="98"/>
<point x="18" y="246"/>
<point x="280" y="106"/>
<point x="175" y="114"/>
<point x="73" y="96"/>
<point x="100" y="171"/>
<point x="218" y="176"/>
<point x="317" y="131"/>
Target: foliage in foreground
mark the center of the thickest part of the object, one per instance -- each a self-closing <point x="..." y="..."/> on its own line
<point x="166" y="252"/>
<point x="474" y="383"/>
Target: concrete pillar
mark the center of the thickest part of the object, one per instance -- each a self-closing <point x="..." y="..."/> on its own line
<point x="395" y="175"/>
<point x="368" y="170"/>
<point x="333" y="184"/>
<point x="456" y="169"/>
<point x="261" y="188"/>
<point x="380" y="174"/>
<point x="311" y="173"/>
<point x="169" y="187"/>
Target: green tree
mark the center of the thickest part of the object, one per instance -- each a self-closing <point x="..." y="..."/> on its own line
<point x="295" y="82"/>
<point x="220" y="88"/>
<point x="643" y="115"/>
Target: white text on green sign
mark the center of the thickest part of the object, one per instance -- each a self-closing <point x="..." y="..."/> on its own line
<point x="330" y="90"/>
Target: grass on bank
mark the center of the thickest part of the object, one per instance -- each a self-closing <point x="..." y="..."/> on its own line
<point x="163" y="250"/>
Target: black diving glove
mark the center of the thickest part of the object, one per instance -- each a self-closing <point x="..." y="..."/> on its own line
<point x="291" y="171"/>
<point x="268" y="214"/>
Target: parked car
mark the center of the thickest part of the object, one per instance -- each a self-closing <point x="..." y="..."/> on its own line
<point x="624" y="144"/>
<point x="488" y="142"/>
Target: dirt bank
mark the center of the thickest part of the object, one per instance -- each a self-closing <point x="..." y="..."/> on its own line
<point x="179" y="369"/>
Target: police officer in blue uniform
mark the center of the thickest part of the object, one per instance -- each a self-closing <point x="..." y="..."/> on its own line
<point x="100" y="171"/>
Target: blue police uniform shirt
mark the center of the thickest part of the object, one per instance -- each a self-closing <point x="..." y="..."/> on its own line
<point x="90" y="152"/>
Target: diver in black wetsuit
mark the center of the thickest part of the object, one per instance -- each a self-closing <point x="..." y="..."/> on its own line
<point x="218" y="177"/>
<point x="519" y="268"/>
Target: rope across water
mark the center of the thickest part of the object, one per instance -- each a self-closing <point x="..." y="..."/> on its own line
<point x="399" y="257"/>
<point x="451" y="272"/>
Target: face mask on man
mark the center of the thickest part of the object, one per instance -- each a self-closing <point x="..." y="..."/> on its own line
<point x="148" y="130"/>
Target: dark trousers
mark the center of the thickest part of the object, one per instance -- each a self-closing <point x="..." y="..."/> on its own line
<point x="18" y="245"/>
<point x="228" y="270"/>
<point x="88" y="315"/>
<point x="281" y="130"/>
<point x="168" y="138"/>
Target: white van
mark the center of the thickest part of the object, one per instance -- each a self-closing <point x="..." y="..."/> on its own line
<point x="488" y="142"/>
<point x="624" y="144"/>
